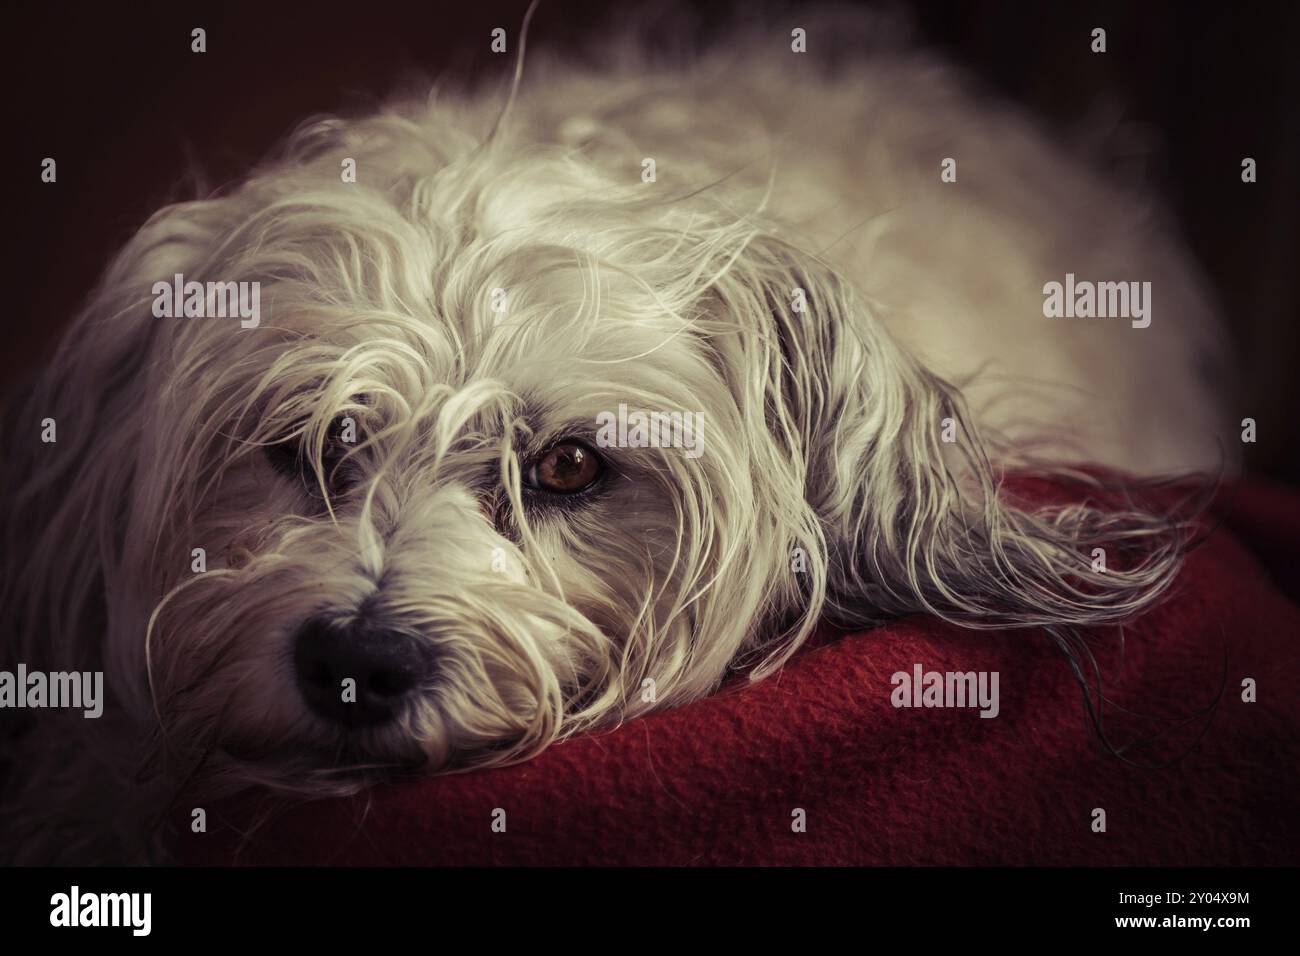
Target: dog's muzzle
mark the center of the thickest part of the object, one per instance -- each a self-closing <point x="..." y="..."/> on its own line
<point x="386" y="667"/>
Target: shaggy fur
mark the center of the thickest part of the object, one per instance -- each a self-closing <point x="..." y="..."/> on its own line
<point x="824" y="425"/>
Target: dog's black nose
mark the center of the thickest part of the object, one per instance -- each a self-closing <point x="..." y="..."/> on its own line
<point x="384" y="666"/>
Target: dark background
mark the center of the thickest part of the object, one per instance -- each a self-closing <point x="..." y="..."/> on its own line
<point x="114" y="94"/>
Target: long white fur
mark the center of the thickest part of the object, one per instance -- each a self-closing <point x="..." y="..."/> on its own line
<point x="775" y="173"/>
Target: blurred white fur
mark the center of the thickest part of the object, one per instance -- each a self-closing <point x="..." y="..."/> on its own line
<point x="775" y="172"/>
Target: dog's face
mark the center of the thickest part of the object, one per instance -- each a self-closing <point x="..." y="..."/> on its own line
<point x="419" y="548"/>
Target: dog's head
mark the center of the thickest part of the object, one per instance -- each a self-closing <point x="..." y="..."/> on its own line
<point x="493" y="461"/>
<point x="508" y="450"/>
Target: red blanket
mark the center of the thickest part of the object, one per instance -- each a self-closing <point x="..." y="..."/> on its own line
<point x="722" y="781"/>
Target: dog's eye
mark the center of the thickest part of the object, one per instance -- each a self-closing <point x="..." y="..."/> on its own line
<point x="565" y="469"/>
<point x="290" y="458"/>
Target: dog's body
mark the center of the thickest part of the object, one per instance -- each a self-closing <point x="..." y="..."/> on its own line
<point x="487" y="288"/>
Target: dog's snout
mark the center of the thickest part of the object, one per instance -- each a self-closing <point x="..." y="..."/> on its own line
<point x="384" y="667"/>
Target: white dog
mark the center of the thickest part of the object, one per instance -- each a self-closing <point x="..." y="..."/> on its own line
<point x="379" y="493"/>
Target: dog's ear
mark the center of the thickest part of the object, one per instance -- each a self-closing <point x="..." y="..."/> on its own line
<point x="897" y="477"/>
<point x="71" y="438"/>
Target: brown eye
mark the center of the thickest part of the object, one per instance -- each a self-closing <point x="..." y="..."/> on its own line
<point x="565" y="469"/>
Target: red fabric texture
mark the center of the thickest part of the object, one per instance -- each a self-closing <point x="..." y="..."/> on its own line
<point x="719" y="781"/>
